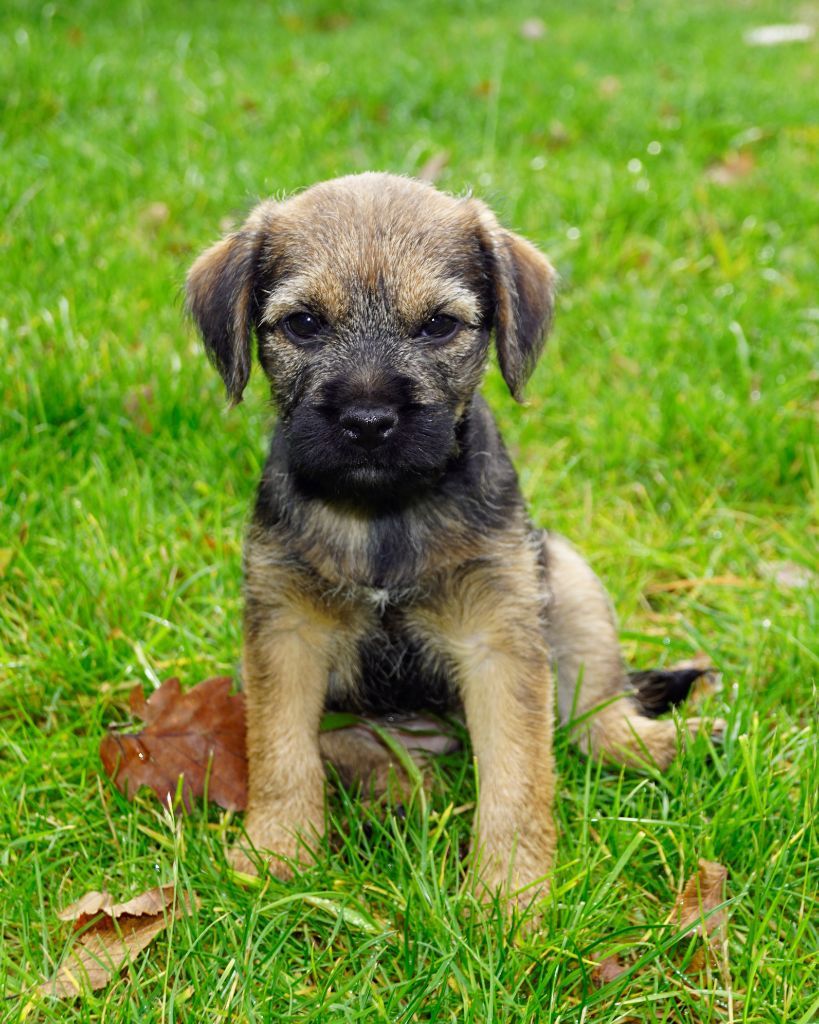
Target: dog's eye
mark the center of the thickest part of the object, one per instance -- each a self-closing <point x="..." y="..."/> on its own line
<point x="302" y="326"/>
<point x="439" y="327"/>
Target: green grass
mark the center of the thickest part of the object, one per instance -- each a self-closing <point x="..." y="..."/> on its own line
<point x="670" y="432"/>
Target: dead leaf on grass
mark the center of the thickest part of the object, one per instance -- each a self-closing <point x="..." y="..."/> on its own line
<point x="608" y="970"/>
<point x="696" y="909"/>
<point x="702" y="894"/>
<point x="114" y="933"/>
<point x="198" y="736"/>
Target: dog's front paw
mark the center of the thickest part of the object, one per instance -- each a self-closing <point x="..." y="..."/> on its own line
<point x="238" y="857"/>
<point x="275" y="846"/>
<point x="518" y="872"/>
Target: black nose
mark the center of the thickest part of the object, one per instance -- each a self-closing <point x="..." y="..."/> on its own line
<point x="368" y="426"/>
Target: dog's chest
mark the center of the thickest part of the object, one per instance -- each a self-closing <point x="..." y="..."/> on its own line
<point x="392" y="673"/>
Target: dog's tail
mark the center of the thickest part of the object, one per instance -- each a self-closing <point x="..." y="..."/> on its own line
<point x="659" y="690"/>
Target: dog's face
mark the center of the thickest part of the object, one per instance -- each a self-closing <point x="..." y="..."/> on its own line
<point x="372" y="298"/>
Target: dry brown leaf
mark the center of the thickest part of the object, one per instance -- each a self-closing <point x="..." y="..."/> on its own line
<point x="198" y="736"/>
<point x="694" y="909"/>
<point x="608" y="970"/>
<point x="697" y="903"/>
<point x="119" y="932"/>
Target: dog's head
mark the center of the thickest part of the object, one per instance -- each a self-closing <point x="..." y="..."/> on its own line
<point x="373" y="299"/>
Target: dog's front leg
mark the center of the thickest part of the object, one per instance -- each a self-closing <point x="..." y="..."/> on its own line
<point x="488" y="629"/>
<point x="286" y="666"/>
<point x="507" y="701"/>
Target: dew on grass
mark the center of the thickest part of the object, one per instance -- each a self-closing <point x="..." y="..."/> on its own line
<point x="654" y="148"/>
<point x="634" y="165"/>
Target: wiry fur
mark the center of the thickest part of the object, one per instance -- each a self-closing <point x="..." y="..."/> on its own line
<point x="409" y="575"/>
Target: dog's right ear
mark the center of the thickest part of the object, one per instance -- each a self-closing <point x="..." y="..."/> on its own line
<point x="221" y="298"/>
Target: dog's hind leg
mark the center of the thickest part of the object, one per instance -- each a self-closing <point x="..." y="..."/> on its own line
<point x="615" y="712"/>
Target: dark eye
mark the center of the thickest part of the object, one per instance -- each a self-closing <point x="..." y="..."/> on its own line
<point x="439" y="327"/>
<point x="302" y="326"/>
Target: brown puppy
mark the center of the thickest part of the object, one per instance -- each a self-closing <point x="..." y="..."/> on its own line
<point x="390" y="564"/>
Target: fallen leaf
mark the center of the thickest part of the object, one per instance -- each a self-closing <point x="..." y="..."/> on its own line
<point x="731" y="169"/>
<point x="431" y="170"/>
<point x="776" y="35"/>
<point x="115" y="933"/>
<point x="608" y="970"/>
<point x="702" y="894"/>
<point x="198" y="736"/>
<point x="696" y="909"/>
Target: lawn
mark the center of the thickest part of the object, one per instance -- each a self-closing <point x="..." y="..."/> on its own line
<point x="669" y="170"/>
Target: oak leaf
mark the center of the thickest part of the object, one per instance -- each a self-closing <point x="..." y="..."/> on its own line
<point x="111" y="935"/>
<point x="197" y="736"/>
<point x="700" y="899"/>
<point x="698" y="908"/>
<point x="608" y="970"/>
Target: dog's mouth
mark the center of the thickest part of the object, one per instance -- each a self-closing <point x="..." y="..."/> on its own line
<point x="369" y="451"/>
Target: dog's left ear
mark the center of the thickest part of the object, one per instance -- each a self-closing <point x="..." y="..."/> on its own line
<point x="523" y="282"/>
<point x="221" y="297"/>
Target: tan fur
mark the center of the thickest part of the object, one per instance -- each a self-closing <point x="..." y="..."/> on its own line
<point x="592" y="680"/>
<point x="441" y="564"/>
<point x="486" y="619"/>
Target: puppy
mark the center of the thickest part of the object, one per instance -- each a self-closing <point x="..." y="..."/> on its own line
<point x="390" y="564"/>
